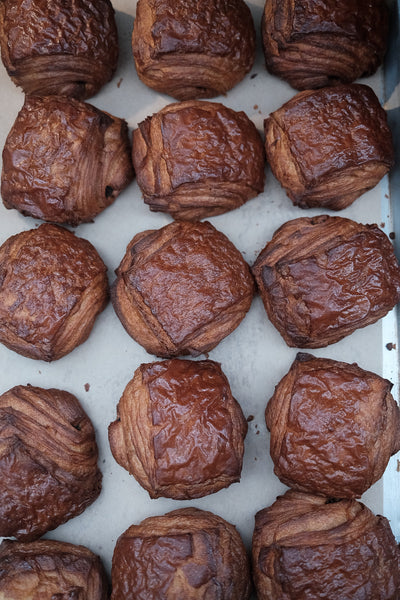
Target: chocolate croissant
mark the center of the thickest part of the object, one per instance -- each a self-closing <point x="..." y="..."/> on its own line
<point x="52" y="287"/>
<point x="179" y="431"/>
<point x="50" y="570"/>
<point x="51" y="172"/>
<point x="187" y="553"/>
<point x="322" y="278"/>
<point x="193" y="49"/>
<point x="181" y="289"/>
<point x="333" y="427"/>
<point x="48" y="461"/>
<point x="68" y="48"/>
<point x="305" y="547"/>
<point x="198" y="159"/>
<point x="329" y="146"/>
<point x="314" y="43"/>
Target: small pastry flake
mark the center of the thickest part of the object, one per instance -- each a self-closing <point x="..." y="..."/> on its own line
<point x="45" y="478"/>
<point x="198" y="159"/>
<point x="188" y="553"/>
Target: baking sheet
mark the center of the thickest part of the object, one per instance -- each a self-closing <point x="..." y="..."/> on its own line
<point x="254" y="357"/>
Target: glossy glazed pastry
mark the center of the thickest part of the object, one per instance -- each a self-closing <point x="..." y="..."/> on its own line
<point x="305" y="547"/>
<point x="188" y="553"/>
<point x="329" y="146"/>
<point x="313" y="43"/>
<point x="45" y="479"/>
<point x="333" y="427"/>
<point x="53" y="285"/>
<point x="181" y="289"/>
<point x="51" y="172"/>
<point x="322" y="278"/>
<point x="179" y="431"/>
<point x="50" y="570"/>
<point x="198" y="159"/>
<point x="193" y="49"/>
<point x="57" y="47"/>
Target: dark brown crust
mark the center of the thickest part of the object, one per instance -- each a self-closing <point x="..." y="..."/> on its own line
<point x="179" y="430"/>
<point x="193" y="50"/>
<point x="198" y="159"/>
<point x="327" y="147"/>
<point x="322" y="278"/>
<point x="45" y="479"/>
<point x="187" y="553"/>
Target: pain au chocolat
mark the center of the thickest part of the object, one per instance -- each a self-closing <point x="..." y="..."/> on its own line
<point x="306" y="547"/>
<point x="314" y="43"/>
<point x="333" y="427"/>
<point x="321" y="278"/>
<point x="327" y="147"/>
<point x="187" y="553"/>
<point x="57" y="47"/>
<point x="193" y="49"/>
<point x="181" y="289"/>
<point x="64" y="160"/>
<point x="179" y="431"/>
<point x="198" y="159"/>
<point x="53" y="285"/>
<point x="48" y="461"/>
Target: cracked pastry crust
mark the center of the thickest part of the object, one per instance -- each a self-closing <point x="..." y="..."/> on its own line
<point x="67" y="48"/>
<point x="193" y="49"/>
<point x="322" y="278"/>
<point x="45" y="478"/>
<point x="305" y="547"/>
<point x="327" y="147"/>
<point x="179" y="431"/>
<point x="333" y="427"/>
<point x="50" y="570"/>
<point x="198" y="159"/>
<point x="181" y="289"/>
<point x="314" y="43"/>
<point x="64" y="160"/>
<point x="53" y="285"/>
<point x="187" y="553"/>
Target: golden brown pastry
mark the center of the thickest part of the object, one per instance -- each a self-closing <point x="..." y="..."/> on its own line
<point x="193" y="49"/>
<point x="329" y="146"/>
<point x="68" y="48"/>
<point x="322" y="278"/>
<point x="53" y="285"/>
<point x="48" y="461"/>
<point x="333" y="427"/>
<point x="305" y="547"/>
<point x="188" y="553"/>
<point x="181" y="289"/>
<point x="64" y="161"/>
<point x="50" y="570"/>
<point x="313" y="43"/>
<point x="198" y="159"/>
<point x="179" y="431"/>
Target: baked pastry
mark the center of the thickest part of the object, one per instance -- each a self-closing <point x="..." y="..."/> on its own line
<point x="313" y="43"/>
<point x="51" y="172"/>
<point x="305" y="547"/>
<point x="198" y="159"/>
<point x="329" y="146"/>
<point x="52" y="287"/>
<point x="50" y="570"/>
<point x="193" y="49"/>
<point x="45" y="479"/>
<point x="321" y="278"/>
<point x="68" y="48"/>
<point x="179" y="431"/>
<point x="333" y="427"/>
<point x="188" y="553"/>
<point x="181" y="289"/>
